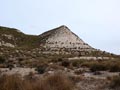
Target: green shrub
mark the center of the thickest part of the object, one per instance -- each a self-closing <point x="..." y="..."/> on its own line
<point x="98" y="67"/>
<point x="60" y="59"/>
<point x="41" y="69"/>
<point x="75" y="64"/>
<point x="65" y="63"/>
<point x="115" y="68"/>
<point x="2" y="60"/>
<point x="10" y="66"/>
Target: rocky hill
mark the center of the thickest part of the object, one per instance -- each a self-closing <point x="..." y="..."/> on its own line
<point x="62" y="37"/>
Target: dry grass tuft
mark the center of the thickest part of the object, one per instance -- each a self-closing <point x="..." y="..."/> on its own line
<point x="52" y="82"/>
<point x="59" y="82"/>
<point x="12" y="82"/>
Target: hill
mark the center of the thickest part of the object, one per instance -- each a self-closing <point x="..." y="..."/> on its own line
<point x="57" y="42"/>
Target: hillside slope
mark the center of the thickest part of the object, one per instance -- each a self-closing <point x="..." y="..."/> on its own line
<point x="10" y="37"/>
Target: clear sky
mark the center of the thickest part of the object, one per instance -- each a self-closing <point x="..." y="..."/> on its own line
<point x="97" y="22"/>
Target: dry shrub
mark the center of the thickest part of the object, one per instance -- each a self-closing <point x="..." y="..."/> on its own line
<point x="12" y="82"/>
<point x="59" y="81"/>
<point x="52" y="82"/>
<point x="36" y="85"/>
<point x="115" y="82"/>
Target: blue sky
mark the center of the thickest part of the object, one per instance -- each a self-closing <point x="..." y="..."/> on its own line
<point x="97" y="22"/>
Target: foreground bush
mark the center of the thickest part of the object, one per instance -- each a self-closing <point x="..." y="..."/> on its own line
<point x="13" y="82"/>
<point x="52" y="82"/>
<point x="59" y="82"/>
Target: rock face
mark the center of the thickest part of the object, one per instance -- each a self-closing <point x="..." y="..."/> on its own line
<point x="63" y="37"/>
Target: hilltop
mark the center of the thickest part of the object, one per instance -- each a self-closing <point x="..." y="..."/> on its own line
<point x="63" y="37"/>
